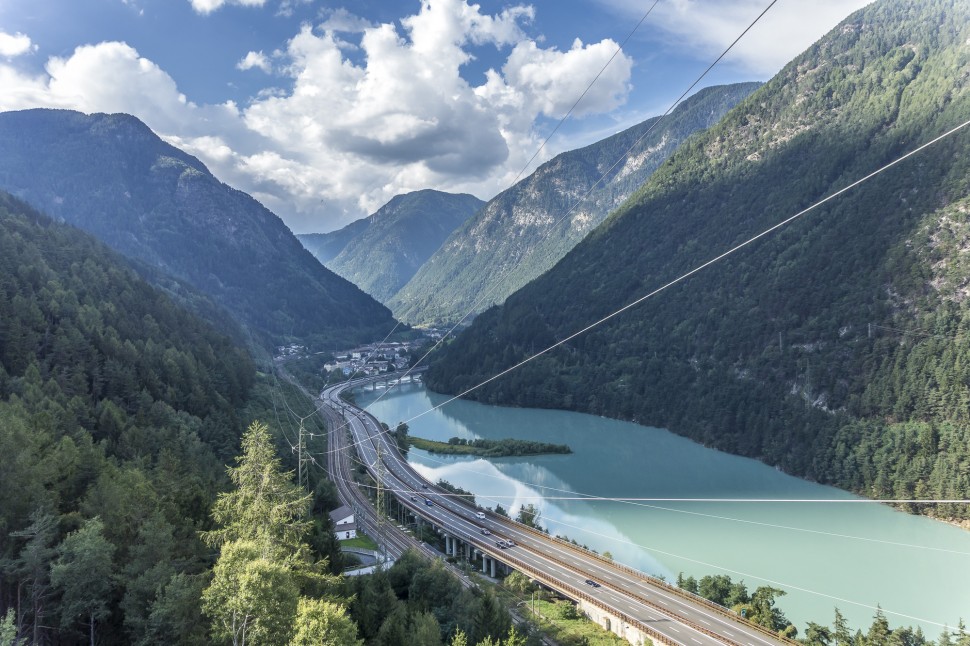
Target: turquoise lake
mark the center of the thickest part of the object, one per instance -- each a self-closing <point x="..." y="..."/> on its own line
<point x="823" y="554"/>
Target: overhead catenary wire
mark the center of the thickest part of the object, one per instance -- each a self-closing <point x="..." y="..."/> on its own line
<point x="488" y="291"/>
<point x="541" y="147"/>
<point x="653" y="125"/>
<point x="761" y="578"/>
<point x="656" y="550"/>
<point x="698" y="268"/>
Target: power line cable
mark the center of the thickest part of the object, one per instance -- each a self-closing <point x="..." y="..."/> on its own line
<point x="760" y="578"/>
<point x="623" y="156"/>
<point x="697" y="269"/>
<point x="561" y="121"/>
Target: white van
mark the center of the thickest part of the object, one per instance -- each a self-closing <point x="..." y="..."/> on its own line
<point x="480" y="515"/>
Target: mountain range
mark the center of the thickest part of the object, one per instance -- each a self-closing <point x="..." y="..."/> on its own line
<point x="381" y="252"/>
<point x="831" y="347"/>
<point x="110" y="175"/>
<point x="527" y="228"/>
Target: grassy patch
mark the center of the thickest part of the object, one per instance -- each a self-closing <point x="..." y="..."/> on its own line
<point x="363" y="541"/>
<point x="548" y="620"/>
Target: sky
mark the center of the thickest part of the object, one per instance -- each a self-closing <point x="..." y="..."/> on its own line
<point x="324" y="110"/>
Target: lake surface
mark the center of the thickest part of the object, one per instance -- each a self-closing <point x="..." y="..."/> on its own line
<point x="823" y="554"/>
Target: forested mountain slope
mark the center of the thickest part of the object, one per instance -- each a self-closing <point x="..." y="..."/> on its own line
<point x="835" y="347"/>
<point x="111" y="176"/>
<point x="518" y="235"/>
<point x="398" y="238"/>
<point x="118" y="411"/>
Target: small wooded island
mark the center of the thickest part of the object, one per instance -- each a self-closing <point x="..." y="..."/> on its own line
<point x="488" y="448"/>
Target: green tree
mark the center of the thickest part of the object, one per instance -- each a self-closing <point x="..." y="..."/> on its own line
<point x="840" y="630"/>
<point x="265" y="506"/>
<point x="529" y="516"/>
<point x="879" y="631"/>
<point x="32" y="566"/>
<point x="176" y="615"/>
<point x="715" y="588"/>
<point x="83" y="573"/>
<point x="252" y="599"/>
<point x="323" y="623"/>
<point x="519" y="583"/>
<point x="817" y="635"/>
<point x="687" y="583"/>
<point x="264" y="562"/>
<point x="763" y="609"/>
<point x="401" y="436"/>
<point x="8" y="630"/>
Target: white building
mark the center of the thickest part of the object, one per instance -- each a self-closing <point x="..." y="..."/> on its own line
<point x="344" y="526"/>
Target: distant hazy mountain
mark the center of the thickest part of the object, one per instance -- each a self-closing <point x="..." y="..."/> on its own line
<point x="836" y="347"/>
<point x="518" y="235"/>
<point x="112" y="176"/>
<point x="381" y="252"/>
<point x="327" y="246"/>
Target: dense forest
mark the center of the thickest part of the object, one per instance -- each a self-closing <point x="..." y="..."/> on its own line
<point x="118" y="412"/>
<point x="833" y="348"/>
<point x="119" y="522"/>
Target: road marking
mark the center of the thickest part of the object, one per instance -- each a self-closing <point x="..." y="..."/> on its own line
<point x="674" y="629"/>
<point x="704" y="622"/>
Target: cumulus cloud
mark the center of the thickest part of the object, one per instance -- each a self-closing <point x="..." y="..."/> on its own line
<point x="709" y="26"/>
<point x="12" y="45"/>
<point x="208" y="6"/>
<point x="347" y="134"/>
<point x="404" y="118"/>
<point x="337" y="20"/>
<point x="255" y="59"/>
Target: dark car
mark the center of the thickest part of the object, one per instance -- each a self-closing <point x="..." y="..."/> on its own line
<point x="592" y="583"/>
<point x="500" y="544"/>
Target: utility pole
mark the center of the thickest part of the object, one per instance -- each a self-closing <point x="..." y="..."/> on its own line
<point x="380" y="498"/>
<point x="299" y="456"/>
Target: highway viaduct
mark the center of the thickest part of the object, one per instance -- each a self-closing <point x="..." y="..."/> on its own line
<point x="631" y="604"/>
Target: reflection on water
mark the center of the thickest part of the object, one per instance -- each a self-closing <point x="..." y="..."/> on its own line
<point x="823" y="554"/>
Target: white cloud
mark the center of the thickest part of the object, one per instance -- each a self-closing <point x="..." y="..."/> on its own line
<point x="342" y="20"/>
<point x="255" y="59"/>
<point x="403" y="118"/>
<point x="208" y="6"/>
<point x="15" y="44"/>
<point x="553" y="81"/>
<point x="346" y="135"/>
<point x="709" y="26"/>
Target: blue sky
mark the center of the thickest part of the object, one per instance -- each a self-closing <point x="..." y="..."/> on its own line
<point x="325" y="110"/>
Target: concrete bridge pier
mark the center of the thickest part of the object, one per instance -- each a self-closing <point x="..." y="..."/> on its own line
<point x="488" y="565"/>
<point x="613" y="624"/>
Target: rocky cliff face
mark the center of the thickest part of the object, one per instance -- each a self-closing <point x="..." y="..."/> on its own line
<point x="525" y="230"/>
